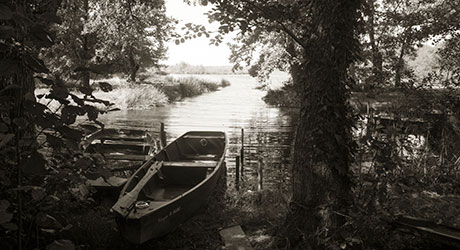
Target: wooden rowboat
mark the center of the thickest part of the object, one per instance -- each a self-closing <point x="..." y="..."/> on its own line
<point x="121" y="144"/>
<point x="123" y="151"/>
<point x="171" y="186"/>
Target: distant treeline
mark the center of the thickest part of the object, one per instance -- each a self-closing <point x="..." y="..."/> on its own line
<point x="185" y="68"/>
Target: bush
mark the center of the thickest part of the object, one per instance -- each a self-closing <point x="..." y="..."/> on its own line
<point x="286" y="96"/>
<point x="176" y="89"/>
<point x="224" y="83"/>
<point x="135" y="96"/>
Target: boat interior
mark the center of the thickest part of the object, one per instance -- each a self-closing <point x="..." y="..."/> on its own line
<point x="121" y="143"/>
<point x="180" y="166"/>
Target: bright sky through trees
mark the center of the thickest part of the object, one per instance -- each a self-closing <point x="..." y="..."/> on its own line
<point x="196" y="51"/>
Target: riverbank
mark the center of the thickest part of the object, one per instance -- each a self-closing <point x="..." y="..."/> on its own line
<point x="155" y="91"/>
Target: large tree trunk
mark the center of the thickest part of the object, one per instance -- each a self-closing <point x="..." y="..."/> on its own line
<point x="323" y="144"/>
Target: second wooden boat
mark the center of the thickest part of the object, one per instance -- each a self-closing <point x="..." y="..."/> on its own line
<point x="171" y="186"/>
<point x="123" y="151"/>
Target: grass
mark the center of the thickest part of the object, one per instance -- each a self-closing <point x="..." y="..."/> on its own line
<point x="179" y="88"/>
<point x="134" y="96"/>
<point x="154" y="92"/>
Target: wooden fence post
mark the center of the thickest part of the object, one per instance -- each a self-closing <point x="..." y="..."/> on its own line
<point x="162" y="135"/>
<point x="242" y="151"/>
<point x="260" y="174"/>
<point x="237" y="173"/>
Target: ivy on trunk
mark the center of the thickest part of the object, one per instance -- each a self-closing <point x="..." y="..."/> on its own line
<point x="323" y="146"/>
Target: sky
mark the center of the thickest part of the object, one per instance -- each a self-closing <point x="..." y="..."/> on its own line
<point x="196" y="51"/>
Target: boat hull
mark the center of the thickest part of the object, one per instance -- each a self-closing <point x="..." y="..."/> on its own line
<point x="165" y="216"/>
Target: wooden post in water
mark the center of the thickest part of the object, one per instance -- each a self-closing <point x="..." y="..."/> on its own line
<point x="237" y="173"/>
<point x="242" y="151"/>
<point x="162" y="135"/>
<point x="260" y="174"/>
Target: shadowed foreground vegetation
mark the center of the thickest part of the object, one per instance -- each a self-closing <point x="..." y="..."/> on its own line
<point x="93" y="226"/>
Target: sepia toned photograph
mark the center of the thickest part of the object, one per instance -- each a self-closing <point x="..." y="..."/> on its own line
<point x="229" y="124"/>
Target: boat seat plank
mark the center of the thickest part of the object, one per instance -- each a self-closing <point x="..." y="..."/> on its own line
<point x="190" y="164"/>
<point x="121" y="142"/>
<point x="128" y="157"/>
<point x="123" y="138"/>
<point x="200" y="157"/>
<point x="204" y="137"/>
<point x="166" y="193"/>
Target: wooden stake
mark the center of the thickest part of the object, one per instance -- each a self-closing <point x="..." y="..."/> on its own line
<point x="242" y="151"/>
<point x="260" y="174"/>
<point x="237" y="173"/>
<point x="162" y="135"/>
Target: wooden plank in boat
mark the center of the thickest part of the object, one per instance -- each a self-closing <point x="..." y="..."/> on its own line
<point x="208" y="164"/>
<point x="119" y="141"/>
<point x="201" y="157"/>
<point x="235" y="239"/>
<point x="204" y="137"/>
<point x="128" y="157"/>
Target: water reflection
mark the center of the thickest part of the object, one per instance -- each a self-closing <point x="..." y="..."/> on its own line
<point x="267" y="130"/>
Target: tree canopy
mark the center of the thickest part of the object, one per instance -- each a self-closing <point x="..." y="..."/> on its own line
<point x="109" y="37"/>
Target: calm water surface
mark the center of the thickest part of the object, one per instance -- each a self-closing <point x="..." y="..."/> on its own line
<point x="268" y="131"/>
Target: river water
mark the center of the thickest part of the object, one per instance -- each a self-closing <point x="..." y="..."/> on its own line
<point x="268" y="130"/>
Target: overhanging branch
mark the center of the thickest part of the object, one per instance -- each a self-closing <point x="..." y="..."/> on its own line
<point x="281" y="24"/>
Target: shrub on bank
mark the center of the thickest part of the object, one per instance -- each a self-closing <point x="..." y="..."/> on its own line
<point x="286" y="96"/>
<point x="176" y="89"/>
<point x="134" y="96"/>
<point x="224" y="83"/>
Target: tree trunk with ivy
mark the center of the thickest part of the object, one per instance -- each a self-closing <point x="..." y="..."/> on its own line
<point x="323" y="145"/>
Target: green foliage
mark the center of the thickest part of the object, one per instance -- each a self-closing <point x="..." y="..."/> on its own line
<point x="103" y="37"/>
<point x="393" y="31"/>
<point x="449" y="70"/>
<point x="400" y="170"/>
<point x="286" y="96"/>
<point x="267" y="30"/>
<point x="133" y="32"/>
<point x="42" y="168"/>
